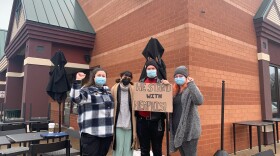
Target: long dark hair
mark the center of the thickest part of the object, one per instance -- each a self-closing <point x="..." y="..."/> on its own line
<point x="91" y="81"/>
<point x="126" y="73"/>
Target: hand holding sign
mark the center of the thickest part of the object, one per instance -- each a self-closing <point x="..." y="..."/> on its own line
<point x="165" y="82"/>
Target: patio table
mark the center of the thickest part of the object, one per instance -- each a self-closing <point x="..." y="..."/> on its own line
<point x="25" y="137"/>
<point x="276" y="120"/>
<point x="4" y="140"/>
<point x="250" y="124"/>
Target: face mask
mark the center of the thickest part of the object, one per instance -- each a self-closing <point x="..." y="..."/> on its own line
<point x="151" y="73"/>
<point x="100" y="81"/>
<point x="180" y="80"/>
<point x="126" y="81"/>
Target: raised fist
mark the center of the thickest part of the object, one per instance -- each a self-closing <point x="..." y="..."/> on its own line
<point x="189" y="79"/>
<point x="80" y="76"/>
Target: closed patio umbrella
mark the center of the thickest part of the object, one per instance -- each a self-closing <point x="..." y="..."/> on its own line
<point x="154" y="50"/>
<point x="58" y="84"/>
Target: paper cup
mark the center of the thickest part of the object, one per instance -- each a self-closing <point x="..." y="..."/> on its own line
<point x="51" y="127"/>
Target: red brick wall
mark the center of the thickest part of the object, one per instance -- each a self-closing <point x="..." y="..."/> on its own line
<point x="217" y="45"/>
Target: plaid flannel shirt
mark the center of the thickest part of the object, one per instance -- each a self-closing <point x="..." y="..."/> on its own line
<point x="95" y="109"/>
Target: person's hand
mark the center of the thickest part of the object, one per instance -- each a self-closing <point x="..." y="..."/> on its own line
<point x="189" y="79"/>
<point x="165" y="82"/>
<point x="80" y="76"/>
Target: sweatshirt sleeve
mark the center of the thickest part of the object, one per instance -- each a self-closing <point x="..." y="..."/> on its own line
<point x="197" y="97"/>
<point x="77" y="94"/>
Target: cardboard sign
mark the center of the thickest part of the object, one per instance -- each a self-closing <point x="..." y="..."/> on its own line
<point x="152" y="97"/>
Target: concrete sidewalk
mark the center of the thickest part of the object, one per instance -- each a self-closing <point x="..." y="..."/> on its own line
<point x="255" y="150"/>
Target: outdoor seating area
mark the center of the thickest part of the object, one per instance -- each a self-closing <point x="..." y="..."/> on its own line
<point x="19" y="135"/>
<point x="19" y="141"/>
<point x="259" y="125"/>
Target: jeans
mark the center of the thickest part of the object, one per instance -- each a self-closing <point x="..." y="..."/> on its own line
<point x="150" y="131"/>
<point x="95" y="146"/>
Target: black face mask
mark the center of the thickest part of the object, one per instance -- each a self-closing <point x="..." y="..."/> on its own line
<point x="126" y="81"/>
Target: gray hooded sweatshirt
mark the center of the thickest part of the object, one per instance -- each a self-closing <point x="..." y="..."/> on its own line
<point x="189" y="126"/>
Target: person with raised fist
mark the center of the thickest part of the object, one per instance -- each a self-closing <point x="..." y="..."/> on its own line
<point x="95" y="112"/>
<point x="185" y="128"/>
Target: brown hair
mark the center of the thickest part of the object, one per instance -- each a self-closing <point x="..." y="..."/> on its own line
<point x="91" y="81"/>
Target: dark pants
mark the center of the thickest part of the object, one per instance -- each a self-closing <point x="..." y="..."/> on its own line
<point x="95" y="146"/>
<point x="149" y="131"/>
<point x="189" y="148"/>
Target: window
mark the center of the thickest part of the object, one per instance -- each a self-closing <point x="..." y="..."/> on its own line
<point x="18" y="11"/>
<point x="274" y="87"/>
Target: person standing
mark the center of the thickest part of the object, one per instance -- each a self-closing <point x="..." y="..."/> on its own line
<point x="151" y="125"/>
<point x="185" y="128"/>
<point x="124" y="121"/>
<point x="95" y="112"/>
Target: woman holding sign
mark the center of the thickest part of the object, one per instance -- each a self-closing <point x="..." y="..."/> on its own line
<point x="185" y="128"/>
<point x="124" y="121"/>
<point x="95" y="110"/>
<point x="151" y="125"/>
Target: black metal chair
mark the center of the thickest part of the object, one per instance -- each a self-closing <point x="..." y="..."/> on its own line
<point x="265" y="153"/>
<point x="72" y="135"/>
<point x="13" y="115"/>
<point x="35" y="149"/>
<point x="39" y="123"/>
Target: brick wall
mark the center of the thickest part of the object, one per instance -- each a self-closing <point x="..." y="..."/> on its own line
<point x="219" y="44"/>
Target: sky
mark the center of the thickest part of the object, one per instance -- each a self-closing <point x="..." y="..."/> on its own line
<point x="5" y="11"/>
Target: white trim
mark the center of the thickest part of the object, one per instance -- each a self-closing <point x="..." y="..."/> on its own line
<point x="77" y="65"/>
<point x="2" y="82"/>
<point x="37" y="61"/>
<point x="263" y="56"/>
<point x="14" y="74"/>
<point x="47" y="62"/>
<point x="3" y="64"/>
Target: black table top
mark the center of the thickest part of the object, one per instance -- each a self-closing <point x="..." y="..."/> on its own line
<point x="25" y="137"/>
<point x="4" y="140"/>
<point x="274" y="119"/>
<point x="254" y="123"/>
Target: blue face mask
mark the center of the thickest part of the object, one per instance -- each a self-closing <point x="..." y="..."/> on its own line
<point x="180" y="80"/>
<point x="151" y="73"/>
<point x="100" y="81"/>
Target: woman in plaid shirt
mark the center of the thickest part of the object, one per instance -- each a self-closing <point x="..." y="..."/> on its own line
<point x="95" y="110"/>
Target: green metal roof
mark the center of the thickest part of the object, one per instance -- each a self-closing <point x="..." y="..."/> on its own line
<point x="264" y="8"/>
<point x="3" y="34"/>
<point x="61" y="13"/>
